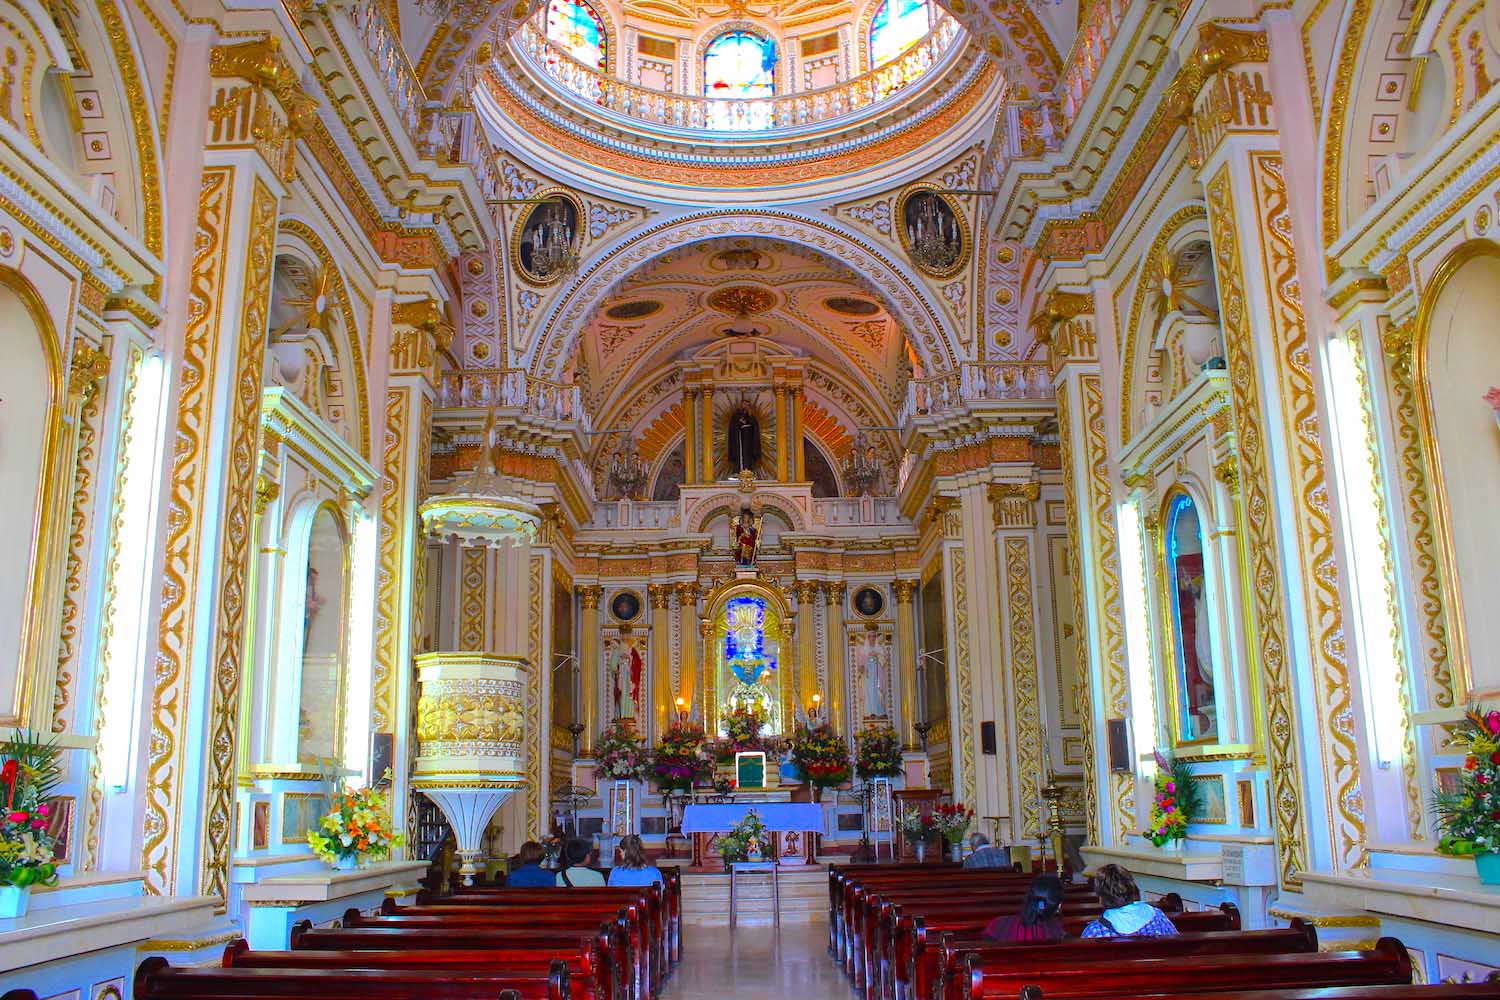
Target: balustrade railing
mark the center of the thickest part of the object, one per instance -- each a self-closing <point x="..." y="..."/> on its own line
<point x="840" y="511"/>
<point x="514" y="389"/>
<point x="1090" y="45"/>
<point x="641" y="515"/>
<point x="977" y="382"/>
<point x="723" y="114"/>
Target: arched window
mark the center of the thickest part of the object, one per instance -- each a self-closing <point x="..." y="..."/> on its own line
<point x="896" y="27"/>
<point x="740" y="64"/>
<point x="573" y="26"/>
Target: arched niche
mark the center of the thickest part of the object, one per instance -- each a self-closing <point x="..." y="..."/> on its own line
<point x="307" y="668"/>
<point x="325" y="604"/>
<point x="749" y="653"/>
<point x="1186" y="592"/>
<point x="1454" y="351"/>
<point x="31" y="412"/>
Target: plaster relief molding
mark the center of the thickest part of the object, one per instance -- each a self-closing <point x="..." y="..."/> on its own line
<point x="1015" y="504"/>
<point x="903" y="295"/>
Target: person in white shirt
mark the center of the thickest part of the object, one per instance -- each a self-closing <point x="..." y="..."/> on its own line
<point x="576" y="872"/>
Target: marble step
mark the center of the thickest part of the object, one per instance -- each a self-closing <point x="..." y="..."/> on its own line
<point x="705" y="897"/>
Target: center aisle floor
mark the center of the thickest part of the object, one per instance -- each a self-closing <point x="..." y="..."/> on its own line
<point x="756" y="962"/>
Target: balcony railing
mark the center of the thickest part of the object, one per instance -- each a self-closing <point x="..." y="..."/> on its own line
<point x="977" y="382"/>
<point x="1090" y="46"/>
<point x="722" y="114"/>
<point x="514" y="389"/>
<point x="840" y="511"/>
<point x="640" y="515"/>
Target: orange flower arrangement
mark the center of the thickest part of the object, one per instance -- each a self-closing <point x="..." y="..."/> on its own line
<point x="355" y="829"/>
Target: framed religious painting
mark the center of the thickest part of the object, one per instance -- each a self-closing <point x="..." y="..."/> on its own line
<point x="626" y="606"/>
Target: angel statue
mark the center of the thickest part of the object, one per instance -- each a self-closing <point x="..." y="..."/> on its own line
<point x="746" y="531"/>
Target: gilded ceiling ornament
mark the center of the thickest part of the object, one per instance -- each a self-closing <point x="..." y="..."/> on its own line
<point x="741" y="300"/>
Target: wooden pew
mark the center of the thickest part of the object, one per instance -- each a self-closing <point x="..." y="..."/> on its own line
<point x="155" y="979"/>
<point x="915" y="960"/>
<point x="1387" y="964"/>
<point x="644" y="945"/>
<point x="590" y="979"/>
<point x="608" y="942"/>
<point x="1488" y="989"/>
<point x="952" y="951"/>
<point x="845" y="888"/>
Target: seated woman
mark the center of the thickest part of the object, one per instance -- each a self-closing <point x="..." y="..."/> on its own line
<point x="1124" y="914"/>
<point x="529" y="873"/>
<point x="633" y="869"/>
<point x="575" y="871"/>
<point x="1038" y="920"/>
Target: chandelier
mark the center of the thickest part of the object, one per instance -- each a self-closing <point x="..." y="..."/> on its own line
<point x="863" y="470"/>
<point x="933" y="238"/>
<point x="627" y="473"/>
<point x="552" y="251"/>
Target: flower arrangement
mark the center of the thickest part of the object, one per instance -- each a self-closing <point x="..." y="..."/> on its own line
<point x="742" y="726"/>
<point x="877" y="753"/>
<point x="821" y="754"/>
<point x="1468" y="816"/>
<point x="1174" y="804"/>
<point x="916" y="826"/>
<point x="27" y="778"/>
<point x="951" y="821"/>
<point x="746" y="841"/>
<point x="620" y="754"/>
<point x="356" y="828"/>
<point x="678" y="761"/>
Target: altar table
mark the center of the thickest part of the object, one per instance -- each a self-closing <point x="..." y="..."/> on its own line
<point x="794" y="827"/>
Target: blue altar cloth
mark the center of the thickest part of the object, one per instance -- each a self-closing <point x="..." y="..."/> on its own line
<point x="777" y="816"/>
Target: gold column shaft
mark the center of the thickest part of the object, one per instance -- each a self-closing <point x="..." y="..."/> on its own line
<point x="906" y="675"/>
<point x="807" y="653"/>
<point x="661" y="656"/>
<point x="588" y="666"/>
<point x="799" y="462"/>
<point x="783" y="435"/>
<point x="687" y="634"/>
<point x="710" y="682"/>
<point x="706" y="437"/>
<point x="690" y="435"/>
<point x="836" y="697"/>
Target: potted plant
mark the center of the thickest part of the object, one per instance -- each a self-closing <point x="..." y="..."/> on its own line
<point x="877" y="753"/>
<point x="951" y="821"/>
<point x="356" y="830"/>
<point x="27" y="777"/>
<point x="917" y="830"/>
<point x="822" y="755"/>
<point x="619" y="753"/>
<point x="1174" y="804"/>
<point x="678" y="762"/>
<point x="1468" y="817"/>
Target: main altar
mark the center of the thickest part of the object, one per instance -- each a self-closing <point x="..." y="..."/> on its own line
<point x="793" y="827"/>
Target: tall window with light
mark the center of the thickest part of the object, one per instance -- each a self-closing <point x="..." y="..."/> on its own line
<point x="577" y="29"/>
<point x="896" y="27"/>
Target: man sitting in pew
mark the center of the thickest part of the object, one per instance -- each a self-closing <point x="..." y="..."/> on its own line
<point x="575" y="871"/>
<point x="1125" y="915"/>
<point x="983" y="854"/>
<point x="530" y="874"/>
<point x="1038" y="921"/>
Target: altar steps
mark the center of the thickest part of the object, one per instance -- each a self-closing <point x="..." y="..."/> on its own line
<point x="804" y="897"/>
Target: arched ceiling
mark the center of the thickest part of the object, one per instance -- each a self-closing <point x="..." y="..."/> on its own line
<point x="790" y="298"/>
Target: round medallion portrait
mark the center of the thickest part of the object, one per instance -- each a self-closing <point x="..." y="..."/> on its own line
<point x="626" y="606"/>
<point x="848" y="305"/>
<point x="638" y="309"/>
<point x="869" y="602"/>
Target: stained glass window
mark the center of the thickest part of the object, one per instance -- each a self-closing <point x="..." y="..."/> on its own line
<point x="739" y="64"/>
<point x="573" y="26"/>
<point x="896" y="27"/>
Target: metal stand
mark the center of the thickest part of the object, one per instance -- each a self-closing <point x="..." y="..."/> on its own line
<point x="735" y="867"/>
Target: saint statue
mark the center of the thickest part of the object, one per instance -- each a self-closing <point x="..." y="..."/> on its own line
<point x="744" y="440"/>
<point x="746" y="531"/>
<point x="874" y="667"/>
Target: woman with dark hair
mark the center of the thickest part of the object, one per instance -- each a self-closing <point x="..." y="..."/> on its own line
<point x="1124" y="914"/>
<point x="529" y="873"/>
<point x="576" y="871"/>
<point x="633" y="868"/>
<point x="1037" y="922"/>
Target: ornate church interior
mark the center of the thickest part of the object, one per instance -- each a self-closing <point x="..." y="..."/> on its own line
<point x="844" y="457"/>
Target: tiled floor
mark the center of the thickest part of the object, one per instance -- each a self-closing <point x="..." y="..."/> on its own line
<point x="756" y="963"/>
